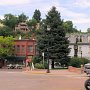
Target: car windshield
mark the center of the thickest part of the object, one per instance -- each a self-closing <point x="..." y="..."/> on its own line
<point x="87" y="66"/>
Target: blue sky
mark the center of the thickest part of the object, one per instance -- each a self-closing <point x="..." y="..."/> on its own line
<point x="75" y="10"/>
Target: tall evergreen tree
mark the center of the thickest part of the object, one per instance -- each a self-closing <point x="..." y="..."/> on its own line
<point x="54" y="40"/>
<point x="22" y="18"/>
<point x="37" y="15"/>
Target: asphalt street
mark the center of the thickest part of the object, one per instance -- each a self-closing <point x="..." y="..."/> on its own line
<point x="35" y="80"/>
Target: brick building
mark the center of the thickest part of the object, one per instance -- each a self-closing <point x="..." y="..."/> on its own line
<point x="25" y="47"/>
<point x="24" y="50"/>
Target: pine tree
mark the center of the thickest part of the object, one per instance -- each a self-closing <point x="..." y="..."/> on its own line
<point x="37" y="15"/>
<point x="55" y="39"/>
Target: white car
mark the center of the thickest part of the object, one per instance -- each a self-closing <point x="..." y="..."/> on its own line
<point x="87" y="68"/>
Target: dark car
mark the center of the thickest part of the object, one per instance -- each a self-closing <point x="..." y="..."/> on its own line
<point x="1" y="62"/>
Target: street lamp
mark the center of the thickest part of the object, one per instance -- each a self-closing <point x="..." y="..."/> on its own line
<point x="76" y="48"/>
<point x="26" y="53"/>
<point x="81" y="54"/>
<point x="48" y="70"/>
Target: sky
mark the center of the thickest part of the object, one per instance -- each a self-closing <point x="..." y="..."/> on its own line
<point x="77" y="11"/>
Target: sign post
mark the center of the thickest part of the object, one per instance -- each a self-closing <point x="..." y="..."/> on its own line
<point x="43" y="57"/>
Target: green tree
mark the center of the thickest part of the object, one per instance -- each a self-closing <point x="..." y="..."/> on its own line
<point x="22" y="18"/>
<point x="37" y="15"/>
<point x="32" y="24"/>
<point x="55" y="39"/>
<point x="10" y="20"/>
<point x="88" y="30"/>
<point x="6" y="31"/>
<point x="6" y="46"/>
<point x="68" y="26"/>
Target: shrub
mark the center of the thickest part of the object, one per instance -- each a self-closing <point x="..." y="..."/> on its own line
<point x="77" y="62"/>
<point x="39" y="66"/>
<point x="45" y="65"/>
<point x="36" y="59"/>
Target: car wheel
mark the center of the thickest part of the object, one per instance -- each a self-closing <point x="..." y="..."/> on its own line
<point x="87" y="84"/>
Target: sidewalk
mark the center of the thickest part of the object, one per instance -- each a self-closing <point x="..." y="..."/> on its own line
<point x="56" y="72"/>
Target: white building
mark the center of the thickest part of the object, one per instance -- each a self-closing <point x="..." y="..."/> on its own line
<point x="83" y="44"/>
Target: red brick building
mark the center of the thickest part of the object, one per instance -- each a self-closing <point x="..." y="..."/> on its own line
<point x="25" y="48"/>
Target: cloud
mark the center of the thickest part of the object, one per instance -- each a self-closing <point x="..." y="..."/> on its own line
<point x="81" y="20"/>
<point x="12" y="2"/>
<point x="69" y="13"/>
<point x="74" y="16"/>
<point x="77" y="18"/>
<point x="1" y="17"/>
<point x="82" y="3"/>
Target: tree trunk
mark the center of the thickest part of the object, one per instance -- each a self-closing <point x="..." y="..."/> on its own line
<point x="52" y="64"/>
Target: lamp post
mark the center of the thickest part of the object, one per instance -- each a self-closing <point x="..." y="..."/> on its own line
<point x="26" y="53"/>
<point x="81" y="54"/>
<point x="76" y="48"/>
<point x="48" y="70"/>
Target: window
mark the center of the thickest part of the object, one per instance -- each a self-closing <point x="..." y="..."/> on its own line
<point x="89" y="50"/>
<point x="23" y="48"/>
<point x="79" y="50"/>
<point x="18" y="48"/>
<point x="88" y="38"/>
<point x="30" y="48"/>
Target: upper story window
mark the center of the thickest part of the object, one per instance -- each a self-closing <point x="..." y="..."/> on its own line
<point x="79" y="49"/>
<point x="89" y="50"/>
<point x="80" y="38"/>
<point x="88" y="38"/>
<point x="23" y="48"/>
<point x="30" y="48"/>
<point x="18" y="48"/>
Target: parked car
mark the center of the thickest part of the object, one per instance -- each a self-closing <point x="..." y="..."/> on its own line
<point x="87" y="68"/>
<point x="1" y="62"/>
<point x="17" y="66"/>
<point x="10" y="66"/>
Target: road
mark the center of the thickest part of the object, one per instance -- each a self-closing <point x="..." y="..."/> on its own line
<point x="20" y="80"/>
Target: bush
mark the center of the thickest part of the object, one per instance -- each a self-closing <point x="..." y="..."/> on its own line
<point x="36" y="59"/>
<point x="77" y="62"/>
<point x="45" y="65"/>
<point x="39" y="66"/>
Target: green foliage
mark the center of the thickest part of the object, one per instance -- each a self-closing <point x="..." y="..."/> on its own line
<point x="32" y="24"/>
<point x="36" y="59"/>
<point x="55" y="39"/>
<point x="88" y="30"/>
<point x="45" y="65"/>
<point x="6" y="31"/>
<point x="6" y="46"/>
<point x="39" y="66"/>
<point x="68" y="26"/>
<point x="37" y="15"/>
<point x="10" y="20"/>
<point x="22" y="18"/>
<point x="77" y="62"/>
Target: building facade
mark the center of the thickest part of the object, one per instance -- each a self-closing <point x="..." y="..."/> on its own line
<point x="25" y="47"/>
<point x="23" y="27"/>
<point x="83" y="44"/>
